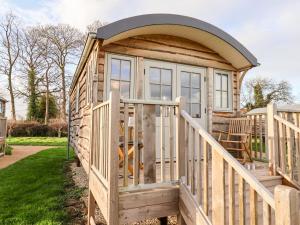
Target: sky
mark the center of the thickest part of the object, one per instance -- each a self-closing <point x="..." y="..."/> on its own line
<point x="268" y="28"/>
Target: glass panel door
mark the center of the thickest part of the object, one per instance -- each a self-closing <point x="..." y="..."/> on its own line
<point x="190" y="84"/>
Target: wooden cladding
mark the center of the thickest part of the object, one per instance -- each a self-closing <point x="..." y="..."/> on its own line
<point x="169" y="48"/>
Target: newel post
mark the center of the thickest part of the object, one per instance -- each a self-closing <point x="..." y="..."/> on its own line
<point x="180" y="136"/>
<point x="272" y="138"/>
<point x="287" y="205"/>
<point x="113" y="164"/>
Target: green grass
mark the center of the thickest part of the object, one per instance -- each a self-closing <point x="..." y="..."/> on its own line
<point x="37" y="141"/>
<point x="32" y="191"/>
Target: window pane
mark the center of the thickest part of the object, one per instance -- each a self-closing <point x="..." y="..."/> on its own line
<point x="218" y="82"/>
<point x="166" y="92"/>
<point x="125" y="89"/>
<point x="114" y="85"/>
<point x="224" y="82"/>
<point x="154" y="75"/>
<point x="196" y="110"/>
<point x="115" y="68"/>
<point x="125" y="70"/>
<point x="185" y="79"/>
<point x="185" y="92"/>
<point x="166" y="77"/>
<point x="195" y="95"/>
<point x="155" y="91"/>
<point x="218" y="99"/>
<point x="187" y="107"/>
<point x="195" y="80"/>
<point x="224" y="99"/>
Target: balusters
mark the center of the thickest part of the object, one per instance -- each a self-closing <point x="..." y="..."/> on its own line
<point x="171" y="147"/>
<point x="135" y="146"/>
<point x="242" y="199"/>
<point x="260" y="137"/>
<point x="162" y="144"/>
<point x="266" y="213"/>
<point x="218" y="188"/>
<point x="205" y="176"/>
<point x="231" y="195"/>
<point x="253" y="207"/>
<point x="198" y="148"/>
<point x="125" y="163"/>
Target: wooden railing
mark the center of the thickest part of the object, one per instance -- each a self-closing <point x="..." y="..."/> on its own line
<point x="213" y="181"/>
<point x="285" y="144"/>
<point x="3" y="128"/>
<point x="258" y="142"/>
<point x="147" y="143"/>
<point x="103" y="174"/>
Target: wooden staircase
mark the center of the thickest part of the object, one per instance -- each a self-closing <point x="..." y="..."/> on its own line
<point x="203" y="185"/>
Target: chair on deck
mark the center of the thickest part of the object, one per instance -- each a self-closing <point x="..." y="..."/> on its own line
<point x="237" y="139"/>
<point x="130" y="148"/>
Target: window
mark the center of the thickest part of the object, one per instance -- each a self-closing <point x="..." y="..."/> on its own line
<point x="90" y="76"/>
<point x="222" y="87"/>
<point x="120" y="75"/>
<point x="160" y="81"/>
<point x="191" y="90"/>
<point x="77" y="99"/>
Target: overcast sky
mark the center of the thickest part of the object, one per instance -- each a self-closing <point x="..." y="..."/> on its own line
<point x="270" y="29"/>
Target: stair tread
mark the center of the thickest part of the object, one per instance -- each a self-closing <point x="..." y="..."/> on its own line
<point x="235" y="149"/>
<point x="229" y="141"/>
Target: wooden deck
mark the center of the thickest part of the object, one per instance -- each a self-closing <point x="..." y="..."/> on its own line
<point x="215" y="190"/>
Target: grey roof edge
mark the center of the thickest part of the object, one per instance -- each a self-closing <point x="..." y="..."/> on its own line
<point x="134" y="22"/>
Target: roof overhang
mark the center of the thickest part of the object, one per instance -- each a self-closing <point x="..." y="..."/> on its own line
<point x="181" y="26"/>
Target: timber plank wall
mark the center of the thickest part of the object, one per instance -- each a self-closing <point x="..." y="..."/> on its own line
<point x="157" y="47"/>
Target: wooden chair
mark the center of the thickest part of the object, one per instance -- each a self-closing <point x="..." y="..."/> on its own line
<point x="237" y="139"/>
<point x="131" y="149"/>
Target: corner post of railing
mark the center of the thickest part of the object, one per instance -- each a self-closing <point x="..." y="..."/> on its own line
<point x="287" y="201"/>
<point x="272" y="138"/>
<point x="113" y="167"/>
<point x="180" y="136"/>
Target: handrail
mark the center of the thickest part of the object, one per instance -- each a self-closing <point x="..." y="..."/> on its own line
<point x="149" y="102"/>
<point x="287" y="123"/>
<point x="101" y="105"/>
<point x="247" y="176"/>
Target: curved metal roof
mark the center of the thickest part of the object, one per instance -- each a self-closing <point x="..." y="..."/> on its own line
<point x="131" y="23"/>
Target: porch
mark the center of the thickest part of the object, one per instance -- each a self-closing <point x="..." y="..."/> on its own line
<point x="189" y="174"/>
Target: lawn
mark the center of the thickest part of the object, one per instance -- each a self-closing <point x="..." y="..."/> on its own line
<point x="38" y="141"/>
<point x="33" y="190"/>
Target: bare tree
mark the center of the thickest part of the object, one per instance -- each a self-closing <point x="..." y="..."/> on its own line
<point x="259" y="92"/>
<point x="94" y="26"/>
<point x="66" y="44"/>
<point x="9" y="53"/>
<point x="31" y="67"/>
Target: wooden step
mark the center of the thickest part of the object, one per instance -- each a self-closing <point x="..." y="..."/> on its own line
<point x="235" y="149"/>
<point x="229" y="141"/>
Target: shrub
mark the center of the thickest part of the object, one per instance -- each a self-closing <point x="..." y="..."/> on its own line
<point x="35" y="129"/>
<point x="8" y="150"/>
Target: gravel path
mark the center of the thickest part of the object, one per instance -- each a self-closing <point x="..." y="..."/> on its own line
<point x="20" y="152"/>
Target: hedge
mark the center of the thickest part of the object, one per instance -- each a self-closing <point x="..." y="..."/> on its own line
<point x="36" y="129"/>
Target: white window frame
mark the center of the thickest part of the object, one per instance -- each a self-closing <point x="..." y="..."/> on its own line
<point x="230" y="92"/>
<point x="107" y="72"/>
<point x="1" y="107"/>
<point x="77" y="98"/>
<point x="166" y="65"/>
<point x="194" y="69"/>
